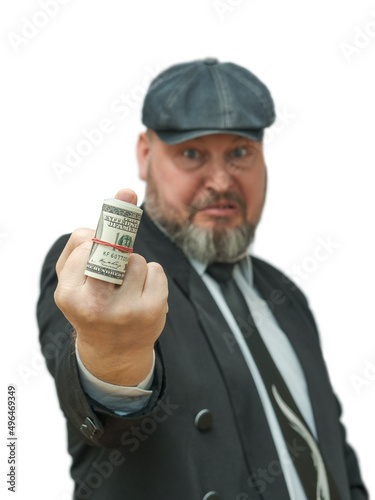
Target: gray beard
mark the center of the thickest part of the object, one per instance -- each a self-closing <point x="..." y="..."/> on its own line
<point x="204" y="245"/>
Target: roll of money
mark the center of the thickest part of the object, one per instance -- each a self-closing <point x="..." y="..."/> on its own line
<point x="118" y="225"/>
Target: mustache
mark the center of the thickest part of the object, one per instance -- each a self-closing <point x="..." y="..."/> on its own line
<point x="216" y="198"/>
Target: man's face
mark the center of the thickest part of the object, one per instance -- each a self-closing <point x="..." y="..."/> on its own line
<point x="212" y="186"/>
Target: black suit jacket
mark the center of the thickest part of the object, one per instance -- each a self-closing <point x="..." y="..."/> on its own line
<point x="171" y="449"/>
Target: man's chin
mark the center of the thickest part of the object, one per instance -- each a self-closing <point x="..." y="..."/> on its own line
<point x="217" y="243"/>
<point x="207" y="240"/>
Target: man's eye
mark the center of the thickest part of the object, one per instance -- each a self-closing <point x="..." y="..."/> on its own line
<point x="191" y="154"/>
<point x="240" y="152"/>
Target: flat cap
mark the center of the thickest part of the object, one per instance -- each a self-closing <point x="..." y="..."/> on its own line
<point x="204" y="97"/>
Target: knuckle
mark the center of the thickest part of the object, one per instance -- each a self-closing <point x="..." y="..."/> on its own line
<point x="61" y="298"/>
<point x="155" y="267"/>
<point x="137" y="265"/>
<point x="137" y="260"/>
<point x="81" y="234"/>
<point x="83" y="248"/>
<point x="157" y="271"/>
<point x="58" y="266"/>
<point x="57" y="297"/>
<point x="77" y="238"/>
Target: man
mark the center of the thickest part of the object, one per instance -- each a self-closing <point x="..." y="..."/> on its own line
<point x="219" y="390"/>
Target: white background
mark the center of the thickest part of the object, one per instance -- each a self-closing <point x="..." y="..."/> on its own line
<point x="69" y="76"/>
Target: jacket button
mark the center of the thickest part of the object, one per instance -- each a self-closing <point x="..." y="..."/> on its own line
<point x="203" y="421"/>
<point x="211" y="495"/>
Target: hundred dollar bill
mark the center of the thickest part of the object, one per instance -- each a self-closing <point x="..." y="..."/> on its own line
<point x="118" y="225"/>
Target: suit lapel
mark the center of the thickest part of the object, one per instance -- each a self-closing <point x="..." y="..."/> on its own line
<point x="300" y="330"/>
<point x="258" y="446"/>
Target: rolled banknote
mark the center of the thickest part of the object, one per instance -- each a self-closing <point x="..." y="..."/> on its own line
<point x="117" y="227"/>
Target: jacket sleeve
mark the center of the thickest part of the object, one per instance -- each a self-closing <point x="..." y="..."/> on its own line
<point x="96" y="424"/>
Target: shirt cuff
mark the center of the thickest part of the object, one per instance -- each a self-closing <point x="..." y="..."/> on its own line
<point x="121" y="399"/>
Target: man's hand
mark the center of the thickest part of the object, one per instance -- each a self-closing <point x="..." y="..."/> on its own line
<point x="116" y="325"/>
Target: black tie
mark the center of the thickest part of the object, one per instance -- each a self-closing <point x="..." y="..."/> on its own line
<point x="302" y="446"/>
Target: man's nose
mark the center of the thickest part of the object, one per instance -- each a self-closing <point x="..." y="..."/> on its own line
<point x="218" y="177"/>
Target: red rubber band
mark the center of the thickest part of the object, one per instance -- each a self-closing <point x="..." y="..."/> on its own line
<point x="118" y="247"/>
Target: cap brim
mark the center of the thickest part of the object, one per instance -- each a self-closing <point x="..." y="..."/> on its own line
<point x="178" y="136"/>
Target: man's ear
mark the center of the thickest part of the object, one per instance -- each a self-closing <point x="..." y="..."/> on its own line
<point x="143" y="155"/>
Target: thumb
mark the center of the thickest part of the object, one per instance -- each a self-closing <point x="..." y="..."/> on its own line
<point x="127" y="195"/>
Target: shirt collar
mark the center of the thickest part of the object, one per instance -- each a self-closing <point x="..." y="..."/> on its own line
<point x="244" y="267"/>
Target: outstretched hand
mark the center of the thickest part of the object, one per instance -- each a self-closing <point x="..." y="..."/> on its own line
<point x="116" y="325"/>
